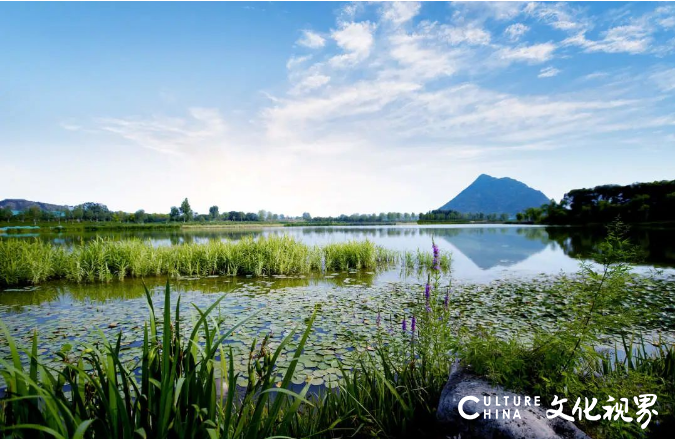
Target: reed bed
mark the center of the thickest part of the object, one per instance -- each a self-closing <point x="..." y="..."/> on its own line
<point x="102" y="260"/>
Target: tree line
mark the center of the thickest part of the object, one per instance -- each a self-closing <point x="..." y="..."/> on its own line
<point x="454" y="216"/>
<point x="382" y="217"/>
<point x="634" y="203"/>
<point x="97" y="212"/>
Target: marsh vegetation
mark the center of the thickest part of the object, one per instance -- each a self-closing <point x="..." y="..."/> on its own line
<point x="361" y="361"/>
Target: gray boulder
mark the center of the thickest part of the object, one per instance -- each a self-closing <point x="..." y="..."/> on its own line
<point x="532" y="422"/>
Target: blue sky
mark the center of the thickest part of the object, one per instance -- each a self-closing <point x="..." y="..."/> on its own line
<point x="329" y="107"/>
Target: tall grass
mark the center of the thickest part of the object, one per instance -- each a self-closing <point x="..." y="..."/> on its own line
<point x="572" y="361"/>
<point x="32" y="262"/>
<point x="186" y="387"/>
<point x="172" y="391"/>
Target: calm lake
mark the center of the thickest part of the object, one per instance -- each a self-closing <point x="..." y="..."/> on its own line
<point x="491" y="256"/>
<point x="481" y="253"/>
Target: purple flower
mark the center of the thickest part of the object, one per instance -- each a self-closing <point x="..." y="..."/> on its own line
<point x="404" y="327"/>
<point x="428" y="308"/>
<point x="413" y="324"/>
<point x="436" y="264"/>
<point x="427" y="291"/>
<point x="446" y="301"/>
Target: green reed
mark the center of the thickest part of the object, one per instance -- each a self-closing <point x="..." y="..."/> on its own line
<point x="102" y="260"/>
<point x="171" y="391"/>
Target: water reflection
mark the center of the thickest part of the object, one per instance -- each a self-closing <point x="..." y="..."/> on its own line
<point x="480" y="252"/>
<point x="65" y="293"/>
<point x="492" y="247"/>
<point x="657" y="245"/>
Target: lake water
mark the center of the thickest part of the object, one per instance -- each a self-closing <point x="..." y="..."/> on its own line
<point x="481" y="253"/>
<point x="485" y="259"/>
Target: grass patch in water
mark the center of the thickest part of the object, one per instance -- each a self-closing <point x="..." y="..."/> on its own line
<point x="34" y="262"/>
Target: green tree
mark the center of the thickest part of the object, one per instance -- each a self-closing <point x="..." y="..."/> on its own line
<point x="140" y="216"/>
<point x="33" y="214"/>
<point x="214" y="213"/>
<point x="6" y="214"/>
<point x="186" y="210"/>
<point x="262" y="215"/>
<point x="306" y="216"/>
<point x="174" y="214"/>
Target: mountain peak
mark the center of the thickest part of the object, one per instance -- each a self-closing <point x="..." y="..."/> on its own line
<point x="488" y="194"/>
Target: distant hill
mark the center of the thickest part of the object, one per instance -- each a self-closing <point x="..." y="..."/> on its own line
<point x="496" y="195"/>
<point x="25" y="204"/>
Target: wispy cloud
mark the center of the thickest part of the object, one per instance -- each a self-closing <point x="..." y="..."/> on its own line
<point x="311" y="39"/>
<point x="534" y="54"/>
<point x="515" y="31"/>
<point x="665" y="79"/>
<point x="548" y="72"/>
<point x="168" y="135"/>
<point x="631" y="39"/>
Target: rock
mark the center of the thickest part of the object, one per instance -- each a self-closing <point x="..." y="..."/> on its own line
<point x="531" y="424"/>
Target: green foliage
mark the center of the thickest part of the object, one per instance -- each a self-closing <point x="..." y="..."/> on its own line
<point x="33" y="262"/>
<point x="190" y="389"/>
<point x="176" y="389"/>
<point x="453" y="216"/>
<point x="186" y="210"/>
<point x="569" y="361"/>
<point x="638" y="202"/>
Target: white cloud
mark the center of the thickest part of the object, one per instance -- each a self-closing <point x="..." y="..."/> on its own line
<point x="400" y="12"/>
<point x="595" y="75"/>
<point x="417" y="60"/>
<point x="467" y="34"/>
<point x="534" y="54"/>
<point x="560" y="16"/>
<point x="168" y="135"/>
<point x="356" y="40"/>
<point x="515" y="31"/>
<point x="500" y="10"/>
<point x="630" y="39"/>
<point x="295" y="61"/>
<point x="665" y="16"/>
<point x="309" y="83"/>
<point x="548" y="72"/>
<point x="311" y="39"/>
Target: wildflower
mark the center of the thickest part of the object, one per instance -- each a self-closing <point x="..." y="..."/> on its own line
<point x="404" y="327"/>
<point x="436" y="264"/>
<point x="413" y="324"/>
<point x="446" y="301"/>
<point x="427" y="291"/>
<point x="428" y="308"/>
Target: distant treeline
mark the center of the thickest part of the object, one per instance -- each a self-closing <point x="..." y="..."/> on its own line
<point x="454" y="216"/>
<point x="99" y="213"/>
<point x="363" y="218"/>
<point x="635" y="203"/>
